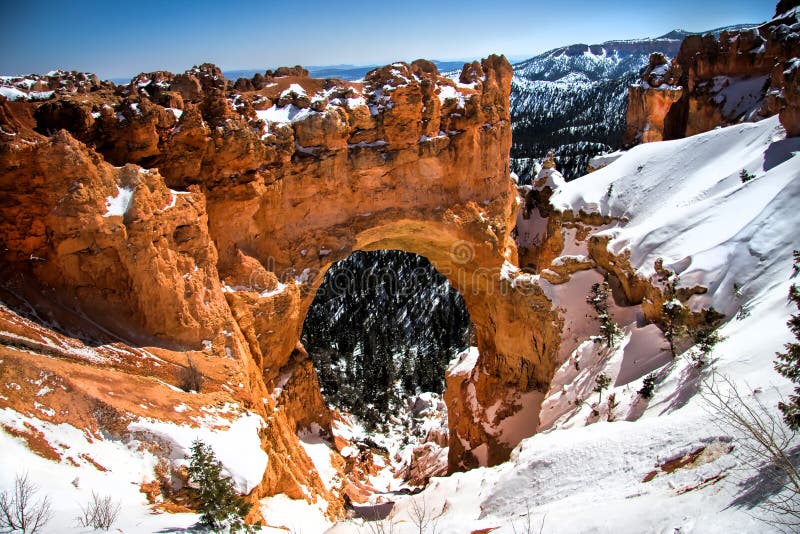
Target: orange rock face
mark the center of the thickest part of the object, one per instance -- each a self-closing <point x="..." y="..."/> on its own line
<point x="216" y="227"/>
<point x="790" y="111"/>
<point x="739" y="76"/>
<point x="647" y="113"/>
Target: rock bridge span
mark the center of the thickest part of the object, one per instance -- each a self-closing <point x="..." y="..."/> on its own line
<point x="197" y="218"/>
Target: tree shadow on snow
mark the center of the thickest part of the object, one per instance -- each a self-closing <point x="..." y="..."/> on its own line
<point x="197" y="528"/>
<point x="767" y="482"/>
<point x="688" y="386"/>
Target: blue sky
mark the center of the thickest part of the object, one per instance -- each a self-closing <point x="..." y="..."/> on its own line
<point x="119" y="39"/>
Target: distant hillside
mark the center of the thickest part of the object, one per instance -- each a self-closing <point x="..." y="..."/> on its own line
<point x="344" y="72"/>
<point x="573" y="99"/>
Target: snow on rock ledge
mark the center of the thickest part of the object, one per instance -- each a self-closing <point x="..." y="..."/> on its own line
<point x="464" y="363"/>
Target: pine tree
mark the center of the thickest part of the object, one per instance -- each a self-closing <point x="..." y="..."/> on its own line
<point x="648" y="385"/>
<point x="788" y="363"/>
<point x="598" y="300"/>
<point x="673" y="314"/>
<point x="705" y="338"/>
<point x="220" y="506"/>
<point x="406" y="371"/>
<point x="601" y="383"/>
<point x="370" y="308"/>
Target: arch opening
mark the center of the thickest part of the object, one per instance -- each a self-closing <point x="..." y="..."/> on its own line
<point x="381" y="331"/>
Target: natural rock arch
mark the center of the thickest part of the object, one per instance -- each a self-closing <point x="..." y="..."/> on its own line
<point x="461" y="225"/>
<point x="226" y="263"/>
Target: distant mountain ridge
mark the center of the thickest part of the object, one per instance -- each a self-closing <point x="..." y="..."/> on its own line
<point x="572" y="99"/>
<point x="342" y="71"/>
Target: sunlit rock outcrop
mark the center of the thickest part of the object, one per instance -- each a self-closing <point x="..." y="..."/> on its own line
<point x="192" y="219"/>
<point x="745" y="75"/>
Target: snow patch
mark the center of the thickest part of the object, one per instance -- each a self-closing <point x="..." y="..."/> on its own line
<point x="117" y="206"/>
<point x="464" y="363"/>
<point x="319" y="450"/>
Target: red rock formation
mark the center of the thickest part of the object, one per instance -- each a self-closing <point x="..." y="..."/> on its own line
<point x="39" y="87"/>
<point x="790" y="111"/>
<point x="263" y="199"/>
<point x="739" y="76"/>
<point x="651" y="101"/>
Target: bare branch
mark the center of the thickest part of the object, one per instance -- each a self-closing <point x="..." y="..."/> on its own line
<point x="764" y="444"/>
<point x="19" y="511"/>
<point x="99" y="513"/>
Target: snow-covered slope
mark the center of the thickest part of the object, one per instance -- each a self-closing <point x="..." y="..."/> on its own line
<point x="121" y="469"/>
<point x="683" y="201"/>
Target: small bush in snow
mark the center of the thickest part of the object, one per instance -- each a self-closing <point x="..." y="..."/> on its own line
<point x="99" y="513"/>
<point x="601" y="383"/>
<point x="673" y="313"/>
<point x="744" y="309"/>
<point x="598" y="300"/>
<point x="422" y="516"/>
<point x="788" y="363"/>
<point x="745" y="176"/>
<point x="191" y="377"/>
<point x="383" y="526"/>
<point x="527" y="526"/>
<point x="20" y="511"/>
<point x="648" y="386"/>
<point x="220" y="506"/>
<point x="612" y="405"/>
<point x="705" y="339"/>
<point x="743" y="312"/>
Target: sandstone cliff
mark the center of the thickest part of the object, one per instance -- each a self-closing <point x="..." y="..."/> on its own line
<point x="190" y="219"/>
<point x="739" y="76"/>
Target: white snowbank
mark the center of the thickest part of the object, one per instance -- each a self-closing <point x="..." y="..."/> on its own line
<point x="12" y="93"/>
<point x="295" y="89"/>
<point x="550" y="178"/>
<point x="285" y="114"/>
<point x="447" y="92"/>
<point x="603" y="160"/>
<point x="70" y="485"/>
<point x="319" y="451"/>
<point x="464" y="362"/>
<point x="282" y="513"/>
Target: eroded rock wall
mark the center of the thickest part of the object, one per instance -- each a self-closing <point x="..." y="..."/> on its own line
<point x="715" y="81"/>
<point x="197" y="219"/>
